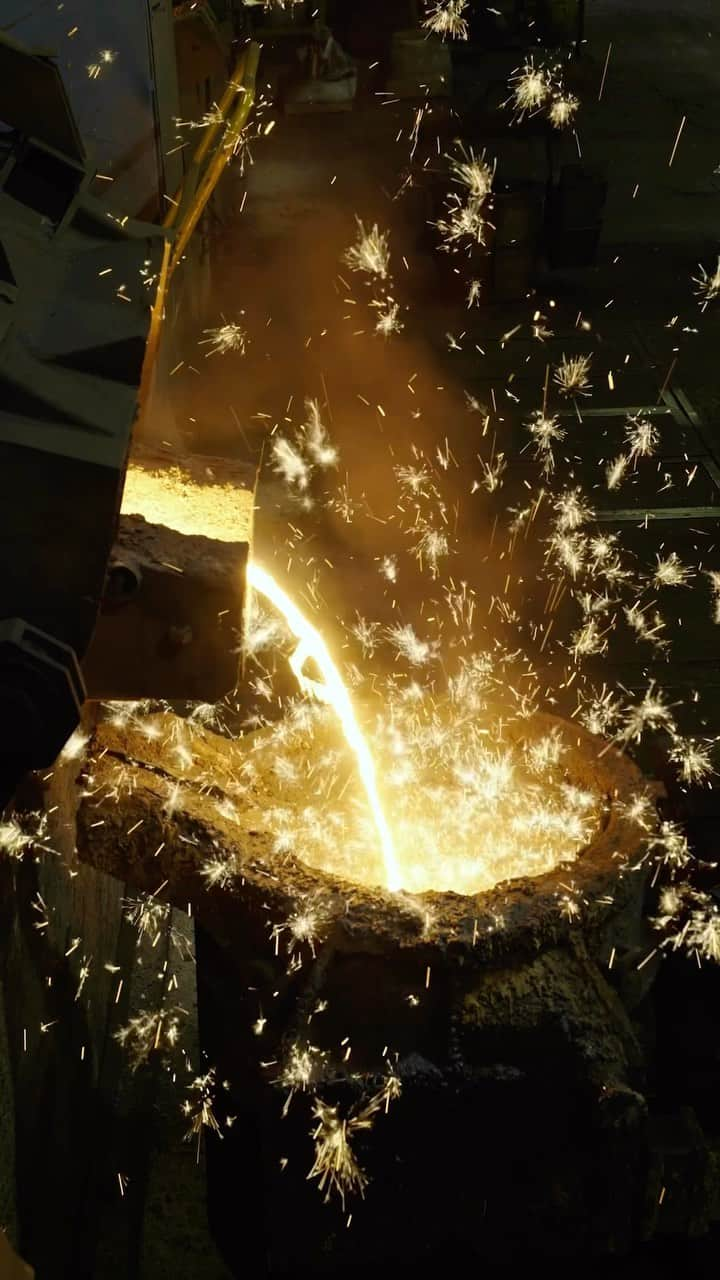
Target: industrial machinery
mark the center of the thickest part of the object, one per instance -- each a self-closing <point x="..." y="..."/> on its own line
<point x="81" y="304"/>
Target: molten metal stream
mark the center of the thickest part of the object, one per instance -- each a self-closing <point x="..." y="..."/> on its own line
<point x="333" y="692"/>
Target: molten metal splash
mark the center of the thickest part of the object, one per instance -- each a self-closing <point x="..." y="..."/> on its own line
<point x="332" y="691"/>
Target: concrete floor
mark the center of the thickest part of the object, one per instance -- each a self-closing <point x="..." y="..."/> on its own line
<point x="311" y="333"/>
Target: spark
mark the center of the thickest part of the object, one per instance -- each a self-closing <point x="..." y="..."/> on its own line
<point x="445" y="18"/>
<point x="367" y="634"/>
<point x="464" y="221"/>
<point x="83" y="976"/>
<point x="572" y="510"/>
<point x="229" y="336"/>
<point x="211" y="117"/>
<point x="708" y="283"/>
<point x="432" y="547"/>
<point x="671" y="572"/>
<point x="694" y="759"/>
<point x="570" y="549"/>
<point x="493" y="472"/>
<point x="474" y="292"/>
<point x="371" y="253"/>
<point x="149" y="1031"/>
<point x="13" y="840"/>
<point x="530" y="88"/>
<point x="646" y="628"/>
<point x="651" y="713"/>
<point x="263" y="630"/>
<point x="587" y="640"/>
<point x="563" y="109"/>
<point x="615" y="471"/>
<point x="545" y="431"/>
<point x="303" y="926"/>
<point x="541" y="332"/>
<point x="302" y="1070"/>
<point x="415" y="481"/>
<point x="546" y="752"/>
<point x="408" y="645"/>
<point x="289" y="463"/>
<point x="317" y="442"/>
<point x="670" y="846"/>
<point x="335" y="1166"/>
<point x="389" y="568"/>
<point x="147" y="914"/>
<point x="642" y="437"/>
<point x="473" y="172"/>
<point x="571" y="375"/>
<point x="199" y="1107"/>
<point x="219" y="872"/>
<point x="39" y="905"/>
<point x="388" y="317"/>
<point x="677" y="139"/>
<point x="599" y="712"/>
<point x="604" y="73"/>
<point x="333" y="692"/>
<point x="345" y="506"/>
<point x="17" y="838"/>
<point x="569" y="907"/>
<point x="641" y="810"/>
<point x="703" y="933"/>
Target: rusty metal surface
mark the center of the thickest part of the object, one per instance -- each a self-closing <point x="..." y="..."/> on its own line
<point x="172" y="629"/>
<point x="179" y="635"/>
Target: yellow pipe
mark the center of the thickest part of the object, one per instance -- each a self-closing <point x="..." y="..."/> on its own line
<point x="156" y="319"/>
<point x="209" y="181"/>
<point x="210" y="133"/>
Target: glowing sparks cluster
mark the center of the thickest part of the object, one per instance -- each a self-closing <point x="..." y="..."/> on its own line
<point x="148" y="1032"/>
<point x="465" y="221"/>
<point x="309" y="450"/>
<point x="546" y="431"/>
<point x="642" y="436"/>
<point x="229" y="336"/>
<point x="199" y="1106"/>
<point x="571" y="375"/>
<point x="370" y="256"/>
<point x="690" y="922"/>
<point x="539" y="88"/>
<point x="24" y="834"/>
<point x="370" y="253"/>
<point x="104" y="59"/>
<point x="707" y="284"/>
<point x="446" y="18"/>
<point x="336" y="1167"/>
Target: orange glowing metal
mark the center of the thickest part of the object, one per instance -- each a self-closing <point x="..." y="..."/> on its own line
<point x="333" y="692"/>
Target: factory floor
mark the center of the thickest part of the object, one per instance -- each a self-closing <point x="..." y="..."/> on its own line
<point x="311" y="335"/>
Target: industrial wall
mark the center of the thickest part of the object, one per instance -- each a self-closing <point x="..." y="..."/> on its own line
<point x="118" y="65"/>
